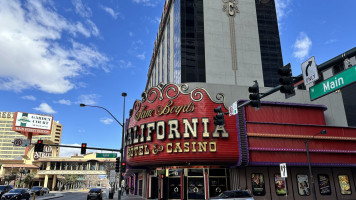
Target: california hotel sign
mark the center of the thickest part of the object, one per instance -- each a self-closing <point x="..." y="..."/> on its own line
<point x="173" y="125"/>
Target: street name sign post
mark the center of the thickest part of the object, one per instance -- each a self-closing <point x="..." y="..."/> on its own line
<point x="106" y="155"/>
<point x="334" y="83"/>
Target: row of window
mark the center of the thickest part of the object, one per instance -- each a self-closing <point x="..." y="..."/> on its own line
<point x="258" y="184"/>
<point x="74" y="166"/>
<point x="5" y="125"/>
<point x="158" y="71"/>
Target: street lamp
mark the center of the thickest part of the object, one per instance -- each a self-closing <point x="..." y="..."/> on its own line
<point x="124" y="94"/>
<point x="310" y="170"/>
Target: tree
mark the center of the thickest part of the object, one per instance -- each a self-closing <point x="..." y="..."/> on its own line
<point x="28" y="179"/>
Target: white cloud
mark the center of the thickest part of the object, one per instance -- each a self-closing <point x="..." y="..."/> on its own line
<point x="30" y="51"/>
<point x="110" y="11"/>
<point x="89" y="99"/>
<point x="64" y="102"/>
<point x="106" y="120"/>
<point x="302" y="46"/>
<point x="81" y="9"/>
<point x="141" y="56"/>
<point x="130" y="34"/>
<point x="150" y="3"/>
<point x="44" y="107"/>
<point x="331" y="41"/>
<point x="29" y="97"/>
<point x="125" y="64"/>
<point x="282" y="8"/>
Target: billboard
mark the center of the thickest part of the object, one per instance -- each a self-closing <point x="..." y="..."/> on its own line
<point x="172" y="125"/>
<point x="34" y="123"/>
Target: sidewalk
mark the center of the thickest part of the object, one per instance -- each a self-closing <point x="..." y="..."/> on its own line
<point x="130" y="196"/>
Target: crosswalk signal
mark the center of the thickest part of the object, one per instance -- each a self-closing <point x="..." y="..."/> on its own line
<point x="39" y="146"/>
<point x="286" y="79"/>
<point x="83" y="148"/>
<point x="219" y="117"/>
<point x="255" y="95"/>
<point x="117" y="166"/>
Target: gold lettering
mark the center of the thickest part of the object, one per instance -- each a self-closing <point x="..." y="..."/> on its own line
<point x="147" y="150"/>
<point x="186" y="146"/>
<point x="212" y="146"/>
<point x="193" y="145"/>
<point x="177" y="148"/>
<point x="202" y="146"/>
<point x="140" y="150"/>
<point x="135" y="150"/>
<point x="169" y="147"/>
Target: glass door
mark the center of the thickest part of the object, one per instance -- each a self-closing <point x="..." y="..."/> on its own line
<point x="174" y="188"/>
<point x="196" y="188"/>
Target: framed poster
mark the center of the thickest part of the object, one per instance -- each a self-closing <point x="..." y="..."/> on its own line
<point x="344" y="183"/>
<point x="280" y="185"/>
<point x="324" y="184"/>
<point x="258" y="184"/>
<point x="303" y="185"/>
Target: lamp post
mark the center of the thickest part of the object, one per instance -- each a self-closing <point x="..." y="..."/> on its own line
<point x="310" y="170"/>
<point x="124" y="94"/>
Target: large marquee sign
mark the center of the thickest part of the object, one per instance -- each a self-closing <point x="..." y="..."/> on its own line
<point x="171" y="125"/>
<point x="37" y="124"/>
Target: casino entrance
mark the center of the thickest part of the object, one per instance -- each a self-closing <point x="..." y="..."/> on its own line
<point x="188" y="183"/>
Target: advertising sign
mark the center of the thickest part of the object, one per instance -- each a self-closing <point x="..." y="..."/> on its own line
<point x="171" y="121"/>
<point x="38" y="124"/>
<point x="47" y="152"/>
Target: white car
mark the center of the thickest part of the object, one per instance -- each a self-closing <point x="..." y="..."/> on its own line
<point x="234" y="195"/>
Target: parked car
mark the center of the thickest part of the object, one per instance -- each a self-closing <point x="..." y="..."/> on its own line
<point x="45" y="190"/>
<point x="95" y="193"/>
<point x="4" y="189"/>
<point x="38" y="190"/>
<point x="235" y="195"/>
<point x="18" y="194"/>
<point x="29" y="191"/>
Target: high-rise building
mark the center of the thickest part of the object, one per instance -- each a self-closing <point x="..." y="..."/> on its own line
<point x="7" y="136"/>
<point x="206" y="55"/>
<point x="198" y="42"/>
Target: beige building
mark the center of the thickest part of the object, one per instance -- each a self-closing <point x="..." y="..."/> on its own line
<point x="50" y="171"/>
<point x="8" y="151"/>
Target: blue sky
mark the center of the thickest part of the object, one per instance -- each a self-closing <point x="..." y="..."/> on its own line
<point x="55" y="54"/>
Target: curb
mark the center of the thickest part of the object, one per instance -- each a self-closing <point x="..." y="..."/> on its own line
<point x="51" y="197"/>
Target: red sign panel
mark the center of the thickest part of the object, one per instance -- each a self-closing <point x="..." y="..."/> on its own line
<point x="174" y="126"/>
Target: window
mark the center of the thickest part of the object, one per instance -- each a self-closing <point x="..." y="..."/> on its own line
<point x="162" y="56"/>
<point x="303" y="185"/>
<point x="324" y="184"/>
<point x="280" y="185"/>
<point x="168" y="50"/>
<point x="258" y="184"/>
<point x="344" y="183"/>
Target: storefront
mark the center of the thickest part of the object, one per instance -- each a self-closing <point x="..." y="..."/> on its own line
<point x="174" y="150"/>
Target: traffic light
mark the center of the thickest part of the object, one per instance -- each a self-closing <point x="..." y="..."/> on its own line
<point x="117" y="166"/>
<point x="123" y="167"/>
<point x="83" y="148"/>
<point x="219" y="117"/>
<point x="255" y="95"/>
<point x="286" y="79"/>
<point x="39" y="146"/>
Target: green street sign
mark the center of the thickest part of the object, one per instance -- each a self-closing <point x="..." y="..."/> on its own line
<point x="334" y="83"/>
<point x="106" y="155"/>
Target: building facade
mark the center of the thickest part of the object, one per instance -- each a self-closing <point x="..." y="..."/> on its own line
<point x="206" y="54"/>
<point x="7" y="136"/>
